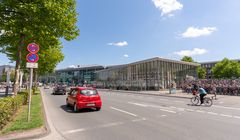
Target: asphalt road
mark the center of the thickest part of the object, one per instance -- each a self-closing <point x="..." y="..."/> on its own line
<point x="127" y="116"/>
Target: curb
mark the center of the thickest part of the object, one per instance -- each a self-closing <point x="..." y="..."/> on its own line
<point x="144" y="93"/>
<point x="33" y="133"/>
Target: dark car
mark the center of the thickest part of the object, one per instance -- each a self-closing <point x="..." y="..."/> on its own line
<point x="84" y="97"/>
<point x="60" y="89"/>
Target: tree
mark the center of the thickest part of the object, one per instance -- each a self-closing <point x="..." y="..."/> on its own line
<point x="39" y="21"/>
<point x="226" y="69"/>
<point x="187" y="59"/>
<point x="201" y="72"/>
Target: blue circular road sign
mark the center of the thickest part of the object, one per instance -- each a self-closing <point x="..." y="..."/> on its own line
<point x="32" y="58"/>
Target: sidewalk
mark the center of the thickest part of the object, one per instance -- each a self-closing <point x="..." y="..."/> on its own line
<point x="178" y="94"/>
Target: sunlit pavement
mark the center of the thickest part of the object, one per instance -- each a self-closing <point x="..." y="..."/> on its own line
<point x="145" y="117"/>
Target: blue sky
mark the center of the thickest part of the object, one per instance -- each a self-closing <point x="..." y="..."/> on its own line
<point x="123" y="31"/>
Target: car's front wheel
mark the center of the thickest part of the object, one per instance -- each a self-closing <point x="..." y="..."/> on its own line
<point x="75" y="109"/>
<point x="67" y="104"/>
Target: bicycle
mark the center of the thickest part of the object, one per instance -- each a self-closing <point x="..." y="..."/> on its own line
<point x="206" y="100"/>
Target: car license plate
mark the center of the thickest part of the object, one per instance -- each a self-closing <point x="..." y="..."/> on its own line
<point x="92" y="104"/>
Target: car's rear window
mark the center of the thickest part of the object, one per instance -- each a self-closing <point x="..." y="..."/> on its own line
<point x="88" y="92"/>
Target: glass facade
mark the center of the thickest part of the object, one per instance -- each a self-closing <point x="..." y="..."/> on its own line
<point x="73" y="76"/>
<point x="151" y="74"/>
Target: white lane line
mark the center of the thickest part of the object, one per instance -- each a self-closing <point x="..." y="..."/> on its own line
<point x="234" y="108"/>
<point x="173" y="107"/>
<point x="181" y="109"/>
<point x="74" y="131"/>
<point x="138" y="120"/>
<point x="237" y="117"/>
<point x="91" y="128"/>
<point x="212" y="113"/>
<point x="190" y="110"/>
<point x="170" y="111"/>
<point x="143" y="105"/>
<point x="123" y="111"/>
<point x="224" y="115"/>
<point x="163" y="115"/>
<point x="200" y="111"/>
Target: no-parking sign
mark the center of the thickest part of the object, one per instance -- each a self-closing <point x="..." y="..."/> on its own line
<point x="33" y="48"/>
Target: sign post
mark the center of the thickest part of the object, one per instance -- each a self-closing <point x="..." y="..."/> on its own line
<point x="32" y="59"/>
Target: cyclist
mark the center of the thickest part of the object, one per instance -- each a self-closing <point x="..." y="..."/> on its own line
<point x="202" y="93"/>
<point x="194" y="89"/>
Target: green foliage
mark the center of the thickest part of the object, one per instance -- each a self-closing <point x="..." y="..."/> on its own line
<point x="187" y="59"/>
<point x="4" y="76"/>
<point x="226" y="69"/>
<point x="20" y="122"/>
<point x="9" y="106"/>
<point x="201" y="72"/>
<point x="41" y="21"/>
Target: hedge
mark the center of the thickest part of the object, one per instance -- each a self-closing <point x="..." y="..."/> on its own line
<point x="9" y="106"/>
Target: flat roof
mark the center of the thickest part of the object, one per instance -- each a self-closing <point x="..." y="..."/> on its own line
<point x="164" y="59"/>
<point x="80" y="68"/>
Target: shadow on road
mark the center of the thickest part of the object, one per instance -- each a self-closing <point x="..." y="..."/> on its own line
<point x="70" y="109"/>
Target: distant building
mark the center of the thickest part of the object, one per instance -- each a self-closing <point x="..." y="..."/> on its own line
<point x="151" y="74"/>
<point x="209" y="65"/>
<point x="3" y="69"/>
<point x="78" y="75"/>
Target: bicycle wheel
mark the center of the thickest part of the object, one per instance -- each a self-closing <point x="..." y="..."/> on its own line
<point x="195" y="100"/>
<point x="207" y="101"/>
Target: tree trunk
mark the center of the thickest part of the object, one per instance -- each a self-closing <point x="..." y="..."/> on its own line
<point x="18" y="64"/>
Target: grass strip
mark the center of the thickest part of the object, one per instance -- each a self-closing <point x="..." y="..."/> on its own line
<point x="20" y="122"/>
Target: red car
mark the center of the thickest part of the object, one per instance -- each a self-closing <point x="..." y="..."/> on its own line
<point x="84" y="97"/>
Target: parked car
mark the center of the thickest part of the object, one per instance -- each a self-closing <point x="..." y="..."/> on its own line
<point x="46" y="87"/>
<point x="59" y="89"/>
<point x="84" y="97"/>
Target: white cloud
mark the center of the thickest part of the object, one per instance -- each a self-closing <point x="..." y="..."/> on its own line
<point x="125" y="55"/>
<point x="195" y="51"/>
<point x="119" y="44"/>
<point x="167" y="6"/>
<point x="193" y="32"/>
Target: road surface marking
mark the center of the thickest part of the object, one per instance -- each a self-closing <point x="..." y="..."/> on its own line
<point x="74" y="131"/>
<point x="237" y="117"/>
<point x="212" y="113"/>
<point x="137" y="120"/>
<point x="190" y="110"/>
<point x="110" y="124"/>
<point x="143" y="105"/>
<point x="234" y="108"/>
<point x="173" y="107"/>
<point x="91" y="128"/>
<point x="224" y="115"/>
<point x="163" y="115"/>
<point x="181" y="109"/>
<point x="123" y="111"/>
<point x="168" y="111"/>
<point x="200" y="111"/>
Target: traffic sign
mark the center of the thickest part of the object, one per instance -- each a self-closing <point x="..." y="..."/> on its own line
<point x="32" y="58"/>
<point x="32" y="65"/>
<point x="33" y="48"/>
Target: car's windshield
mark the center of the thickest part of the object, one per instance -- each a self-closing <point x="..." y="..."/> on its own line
<point x="88" y="92"/>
